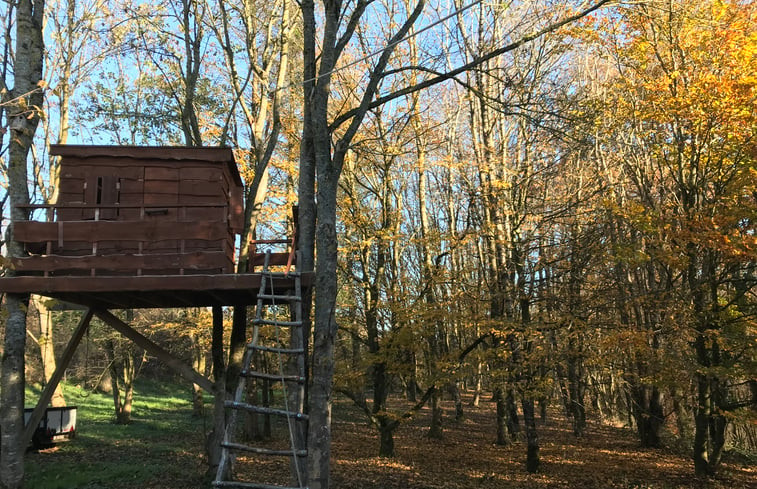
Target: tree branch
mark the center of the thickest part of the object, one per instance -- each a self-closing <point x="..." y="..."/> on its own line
<point x="358" y="111"/>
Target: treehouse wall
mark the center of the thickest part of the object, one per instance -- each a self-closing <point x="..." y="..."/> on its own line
<point x="140" y="210"/>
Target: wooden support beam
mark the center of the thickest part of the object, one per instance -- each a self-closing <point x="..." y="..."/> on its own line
<point x="164" y="356"/>
<point x="47" y="393"/>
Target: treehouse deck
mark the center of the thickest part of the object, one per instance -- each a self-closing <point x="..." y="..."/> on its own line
<point x="147" y="291"/>
<point x="137" y="227"/>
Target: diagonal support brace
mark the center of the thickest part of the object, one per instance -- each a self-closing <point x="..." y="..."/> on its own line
<point x="164" y="356"/>
<point x="49" y="390"/>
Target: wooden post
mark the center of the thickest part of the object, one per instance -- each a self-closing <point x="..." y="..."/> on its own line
<point x="47" y="393"/>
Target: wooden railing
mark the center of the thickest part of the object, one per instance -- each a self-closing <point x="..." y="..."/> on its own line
<point x="117" y="239"/>
<point x="288" y="258"/>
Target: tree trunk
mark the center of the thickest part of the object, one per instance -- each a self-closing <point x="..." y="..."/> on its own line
<point x="532" y="436"/>
<point x="543" y="404"/>
<point x="47" y="348"/>
<point x="701" y="427"/>
<point x="499" y="399"/>
<point x="198" y="364"/>
<point x="257" y="395"/>
<point x="648" y="414"/>
<point x="513" y="425"/>
<point x="122" y="374"/>
<point x="459" y="412"/>
<point x="477" y="385"/>
<point x="709" y="423"/>
<point x="324" y="331"/>
<point x="577" y="392"/>
<point x="412" y="382"/>
<point x="237" y="344"/>
<point x="23" y="114"/>
<point x="214" y="438"/>
<point x="435" y="430"/>
<point x="386" y="437"/>
<point x="684" y="431"/>
<point x="13" y="381"/>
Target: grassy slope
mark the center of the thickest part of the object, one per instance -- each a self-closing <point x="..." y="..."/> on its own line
<point x="164" y="448"/>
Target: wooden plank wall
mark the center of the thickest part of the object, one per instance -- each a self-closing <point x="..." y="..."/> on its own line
<point x="153" y="183"/>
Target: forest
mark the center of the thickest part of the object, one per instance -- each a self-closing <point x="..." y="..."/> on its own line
<point x="542" y="211"/>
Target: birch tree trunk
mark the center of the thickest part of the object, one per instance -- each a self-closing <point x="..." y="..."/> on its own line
<point x="23" y="117"/>
<point x="47" y="348"/>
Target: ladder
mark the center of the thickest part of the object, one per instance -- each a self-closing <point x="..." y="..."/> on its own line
<point x="293" y="383"/>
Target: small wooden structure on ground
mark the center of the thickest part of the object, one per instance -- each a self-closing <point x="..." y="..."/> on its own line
<point x="58" y="424"/>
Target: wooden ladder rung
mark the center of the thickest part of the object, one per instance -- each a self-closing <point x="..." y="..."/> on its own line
<point x="281" y="274"/>
<point x="275" y="377"/>
<point x="251" y="485"/>
<point x="264" y="451"/>
<point x="271" y="349"/>
<point x="280" y="297"/>
<point x="264" y="410"/>
<point x="271" y="322"/>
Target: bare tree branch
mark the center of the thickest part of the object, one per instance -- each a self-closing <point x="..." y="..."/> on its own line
<point x="356" y="112"/>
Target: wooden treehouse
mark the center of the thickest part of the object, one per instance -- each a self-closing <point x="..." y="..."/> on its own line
<point x="157" y="227"/>
<point x="137" y="227"/>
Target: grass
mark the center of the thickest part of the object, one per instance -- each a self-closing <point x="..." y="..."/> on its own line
<point x="163" y="442"/>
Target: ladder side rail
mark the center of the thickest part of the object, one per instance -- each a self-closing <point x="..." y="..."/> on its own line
<point x="226" y="454"/>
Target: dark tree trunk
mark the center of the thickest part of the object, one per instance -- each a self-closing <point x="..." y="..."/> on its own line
<point x="412" y="382"/>
<point x="13" y="381"/>
<point x="701" y="427"/>
<point x="576" y="389"/>
<point x="543" y="404"/>
<point x="648" y="414"/>
<point x="499" y="399"/>
<point x="237" y="344"/>
<point x="122" y="371"/>
<point x="532" y="436"/>
<point x="709" y="421"/>
<point x="386" y="437"/>
<point x="459" y="412"/>
<point x="435" y="429"/>
<point x="214" y="438"/>
<point x="684" y="430"/>
<point x="513" y="425"/>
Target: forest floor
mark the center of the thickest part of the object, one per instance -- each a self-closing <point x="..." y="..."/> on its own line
<point x="163" y="448"/>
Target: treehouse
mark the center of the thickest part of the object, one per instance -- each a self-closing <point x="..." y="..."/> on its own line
<point x="140" y="227"/>
<point x="137" y="227"/>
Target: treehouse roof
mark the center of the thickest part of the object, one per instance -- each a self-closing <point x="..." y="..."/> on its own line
<point x="73" y="155"/>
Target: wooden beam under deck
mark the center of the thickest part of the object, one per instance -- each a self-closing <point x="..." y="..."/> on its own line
<point x="120" y="292"/>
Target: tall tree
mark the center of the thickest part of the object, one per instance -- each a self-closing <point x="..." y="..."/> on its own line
<point x="24" y="102"/>
<point x="685" y="121"/>
<point x="325" y="143"/>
